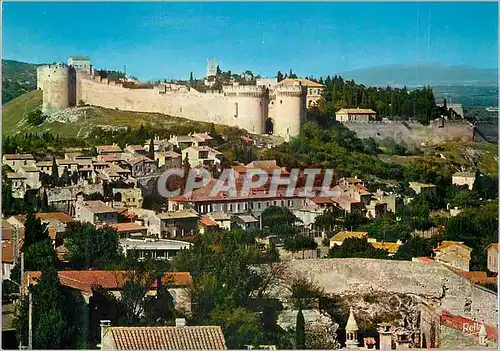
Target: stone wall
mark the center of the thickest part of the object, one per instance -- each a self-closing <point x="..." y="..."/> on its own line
<point x="412" y="133"/>
<point x="432" y="282"/>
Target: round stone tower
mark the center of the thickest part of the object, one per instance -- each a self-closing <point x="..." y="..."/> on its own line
<point x="290" y="110"/>
<point x="55" y="86"/>
<point x="247" y="107"/>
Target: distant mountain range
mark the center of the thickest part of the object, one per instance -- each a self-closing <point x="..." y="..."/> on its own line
<point x="419" y="74"/>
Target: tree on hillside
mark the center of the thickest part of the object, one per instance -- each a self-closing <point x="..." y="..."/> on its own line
<point x="151" y="151"/>
<point x="55" y="170"/>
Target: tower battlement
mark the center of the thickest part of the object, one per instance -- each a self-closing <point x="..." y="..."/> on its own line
<point x="290" y="90"/>
<point x="244" y="91"/>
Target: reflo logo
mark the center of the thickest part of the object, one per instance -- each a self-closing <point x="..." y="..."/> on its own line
<point x="471" y="329"/>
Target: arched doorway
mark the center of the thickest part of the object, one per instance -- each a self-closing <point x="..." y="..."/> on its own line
<point x="269" y="126"/>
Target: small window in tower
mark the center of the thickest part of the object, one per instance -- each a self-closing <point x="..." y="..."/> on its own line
<point x="281" y="101"/>
<point x="235" y="109"/>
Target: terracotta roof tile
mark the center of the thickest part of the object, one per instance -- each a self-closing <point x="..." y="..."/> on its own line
<point x="84" y="280"/>
<point x="208" y="222"/>
<point x="7" y="252"/>
<point x="168" y="338"/>
<point x="60" y="216"/>
<point x="494" y="245"/>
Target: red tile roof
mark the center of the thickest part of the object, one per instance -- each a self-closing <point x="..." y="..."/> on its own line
<point x="208" y="222"/>
<point x="457" y="322"/>
<point x="7" y="252"/>
<point x="113" y="280"/>
<point x="168" y="338"/>
<point x="477" y="277"/>
<point x="60" y="216"/>
<point x="139" y="159"/>
<point x="7" y="230"/>
<point x="127" y="227"/>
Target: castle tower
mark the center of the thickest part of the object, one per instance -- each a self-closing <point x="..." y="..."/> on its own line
<point x="351" y="331"/>
<point x="290" y="110"/>
<point x="56" y="88"/>
<point x="247" y="107"/>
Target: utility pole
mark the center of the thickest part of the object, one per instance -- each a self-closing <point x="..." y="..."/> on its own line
<point x="30" y="317"/>
<point x="21" y="292"/>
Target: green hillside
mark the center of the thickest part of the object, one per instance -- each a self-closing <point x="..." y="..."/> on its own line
<point x="17" y="79"/>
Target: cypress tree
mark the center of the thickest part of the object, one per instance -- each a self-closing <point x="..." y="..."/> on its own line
<point x="300" y="331"/>
<point x="151" y="152"/>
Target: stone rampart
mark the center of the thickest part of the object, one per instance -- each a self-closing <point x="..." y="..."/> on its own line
<point x="432" y="282"/>
<point x="412" y="133"/>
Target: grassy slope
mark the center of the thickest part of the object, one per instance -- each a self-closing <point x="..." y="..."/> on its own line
<point x="15" y="111"/>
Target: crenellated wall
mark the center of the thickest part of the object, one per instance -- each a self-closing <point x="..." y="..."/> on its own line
<point x="245" y="107"/>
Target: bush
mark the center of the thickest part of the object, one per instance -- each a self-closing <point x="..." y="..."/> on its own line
<point x="36" y="117"/>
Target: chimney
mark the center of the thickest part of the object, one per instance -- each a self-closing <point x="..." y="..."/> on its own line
<point x="385" y="336"/>
<point x="105" y="324"/>
<point x="180" y="322"/>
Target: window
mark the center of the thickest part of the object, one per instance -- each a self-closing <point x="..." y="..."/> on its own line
<point x="235" y="109"/>
<point x="281" y="101"/>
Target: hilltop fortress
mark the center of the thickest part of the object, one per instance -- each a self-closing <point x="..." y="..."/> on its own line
<point x="278" y="109"/>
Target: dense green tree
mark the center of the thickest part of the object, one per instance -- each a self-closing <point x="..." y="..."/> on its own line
<point x="356" y="247"/>
<point x="300" y="243"/>
<point x="90" y="247"/>
<point x="416" y="247"/>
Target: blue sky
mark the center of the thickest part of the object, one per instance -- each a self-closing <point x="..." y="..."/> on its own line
<point x="169" y="40"/>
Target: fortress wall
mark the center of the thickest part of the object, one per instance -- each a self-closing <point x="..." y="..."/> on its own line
<point x="351" y="276"/>
<point x="412" y="133"/>
<point x="243" y="107"/>
<point x="196" y="106"/>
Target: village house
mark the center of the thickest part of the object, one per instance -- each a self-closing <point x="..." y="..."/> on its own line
<point x="32" y="175"/>
<point x="347" y="203"/>
<point x="16" y="161"/>
<point x="464" y="178"/>
<point x="95" y="212"/>
<point x="192" y="140"/>
<point x="207" y="224"/>
<point x="492" y="253"/>
<point x="390" y="247"/>
<point x="178" y="224"/>
<point x="142" y="166"/>
<point x="64" y="198"/>
<point x="18" y="184"/>
<point x="202" y="156"/>
<point x="376" y="209"/>
<point x="222" y="219"/>
<point x="132" y="151"/>
<point x="247" y="222"/>
<point x="109" y="150"/>
<point x="355" y="115"/>
<point x="178" y="337"/>
<point x="158" y="249"/>
<point x="168" y="159"/>
<point x="127" y="197"/>
<point x="160" y="145"/>
<point x="177" y="284"/>
<point x="128" y="230"/>
<point x="394" y="202"/>
<point x="454" y="254"/>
